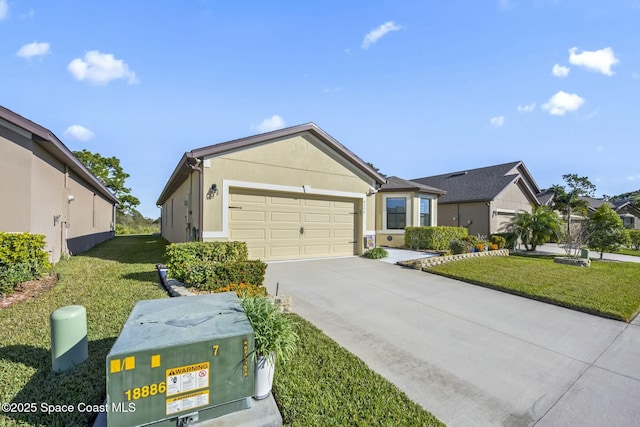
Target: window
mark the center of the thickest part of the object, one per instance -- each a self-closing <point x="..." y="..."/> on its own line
<point x="396" y="213"/>
<point x="424" y="212"/>
<point x="627" y="221"/>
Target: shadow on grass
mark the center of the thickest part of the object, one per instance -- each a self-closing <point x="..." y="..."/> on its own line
<point x="136" y="249"/>
<point x="85" y="383"/>
<point x="146" y="277"/>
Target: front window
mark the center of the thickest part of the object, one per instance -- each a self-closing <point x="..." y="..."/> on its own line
<point x="425" y="220"/>
<point x="627" y="221"/>
<point x="396" y="213"/>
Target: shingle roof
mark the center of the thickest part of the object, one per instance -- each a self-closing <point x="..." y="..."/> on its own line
<point x="395" y="183"/>
<point x="473" y="185"/>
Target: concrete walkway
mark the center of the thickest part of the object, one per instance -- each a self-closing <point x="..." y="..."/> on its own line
<point x="470" y="355"/>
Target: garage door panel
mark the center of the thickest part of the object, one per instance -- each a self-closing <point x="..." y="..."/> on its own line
<point x="270" y="223"/>
<point x="244" y="234"/>
<point x="246" y="215"/>
<point x="317" y="217"/>
<point x="288" y="217"/>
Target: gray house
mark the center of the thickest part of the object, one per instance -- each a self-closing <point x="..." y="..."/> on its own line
<point x="484" y="199"/>
<point x="46" y="190"/>
<point x="625" y="209"/>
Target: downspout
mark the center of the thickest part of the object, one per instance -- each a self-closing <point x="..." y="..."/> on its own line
<point x="196" y="167"/>
<point x="488" y="218"/>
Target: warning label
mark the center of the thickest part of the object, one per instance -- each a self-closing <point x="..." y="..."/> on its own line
<point x="187" y="378"/>
<point x="187" y="402"/>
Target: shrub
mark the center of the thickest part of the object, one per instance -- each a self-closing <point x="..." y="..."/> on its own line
<point x="459" y="246"/>
<point x="186" y="261"/>
<point x="244" y="290"/>
<point x="435" y="238"/>
<point x="498" y="241"/>
<point x="473" y="240"/>
<point x="22" y="258"/>
<point x="635" y="239"/>
<point x="493" y="247"/>
<point x="376" y="253"/>
<point x="224" y="274"/>
<point x="511" y="239"/>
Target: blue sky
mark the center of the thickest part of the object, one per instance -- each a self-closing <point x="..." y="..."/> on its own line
<point x="417" y="88"/>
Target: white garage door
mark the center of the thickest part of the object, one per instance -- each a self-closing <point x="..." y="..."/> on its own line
<point x="284" y="226"/>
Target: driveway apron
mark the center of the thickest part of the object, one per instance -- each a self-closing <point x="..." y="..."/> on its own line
<point x="470" y="355"/>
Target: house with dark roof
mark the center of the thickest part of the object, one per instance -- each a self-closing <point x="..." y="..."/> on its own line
<point x="47" y="190"/>
<point x="625" y="209"/>
<point x="291" y="193"/>
<point x="484" y="199"/>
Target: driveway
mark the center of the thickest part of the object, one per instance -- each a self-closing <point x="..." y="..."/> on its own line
<point x="471" y="356"/>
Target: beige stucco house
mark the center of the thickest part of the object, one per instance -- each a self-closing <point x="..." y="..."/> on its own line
<point x="46" y="190"/>
<point x="485" y="199"/>
<point x="402" y="203"/>
<point x="291" y="193"/>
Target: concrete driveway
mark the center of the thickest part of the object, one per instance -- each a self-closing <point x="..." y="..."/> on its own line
<point x="470" y="355"/>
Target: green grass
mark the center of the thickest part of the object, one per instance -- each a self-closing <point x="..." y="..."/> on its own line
<point x="608" y="289"/>
<point x="325" y="385"/>
<point x="628" y="251"/>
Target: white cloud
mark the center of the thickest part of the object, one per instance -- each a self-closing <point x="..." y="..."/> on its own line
<point x="635" y="75"/>
<point x="100" y="68"/>
<point x="375" y="35"/>
<point x="560" y="71"/>
<point x="527" y="108"/>
<point x="33" y="49"/>
<point x="497" y="121"/>
<point x="4" y="9"/>
<point x="79" y="133"/>
<point x="600" y="149"/>
<point x="599" y="60"/>
<point x="331" y="89"/>
<point x="562" y="103"/>
<point x="272" y="123"/>
<point x="633" y="178"/>
<point x="506" y="4"/>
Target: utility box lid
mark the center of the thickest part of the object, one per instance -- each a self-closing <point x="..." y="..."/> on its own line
<point x="179" y="357"/>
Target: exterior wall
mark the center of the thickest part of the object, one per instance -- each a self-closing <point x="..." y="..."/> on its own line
<point x="474" y="216"/>
<point x="395" y="238"/>
<point x="176" y="226"/>
<point x="504" y="207"/>
<point x="299" y="164"/>
<point x="35" y="190"/>
<point x="15" y="178"/>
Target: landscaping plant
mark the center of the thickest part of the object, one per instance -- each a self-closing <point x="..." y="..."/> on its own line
<point x="376" y="253"/>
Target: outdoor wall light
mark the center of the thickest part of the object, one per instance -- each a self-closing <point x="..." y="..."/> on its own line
<point x="213" y="190"/>
<point x="70" y="198"/>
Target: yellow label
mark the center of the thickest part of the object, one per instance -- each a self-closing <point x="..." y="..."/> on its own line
<point x="155" y="360"/>
<point x="189" y="368"/>
<point x="126" y="364"/>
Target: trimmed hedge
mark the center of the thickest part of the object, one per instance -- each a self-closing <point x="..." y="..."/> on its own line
<point x="187" y="260"/>
<point x="436" y="238"/>
<point x="22" y="258"/>
<point x="213" y="265"/>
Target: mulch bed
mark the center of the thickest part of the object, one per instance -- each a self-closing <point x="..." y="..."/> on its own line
<point x="29" y="290"/>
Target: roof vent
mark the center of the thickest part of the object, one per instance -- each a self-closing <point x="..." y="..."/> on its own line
<point x="458" y="174"/>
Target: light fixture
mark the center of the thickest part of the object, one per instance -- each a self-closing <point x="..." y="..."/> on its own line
<point x="70" y="198"/>
<point x="213" y="190"/>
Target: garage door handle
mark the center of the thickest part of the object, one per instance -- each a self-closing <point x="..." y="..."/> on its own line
<point x="301" y="230"/>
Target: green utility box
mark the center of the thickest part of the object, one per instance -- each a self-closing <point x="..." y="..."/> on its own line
<point x="181" y="360"/>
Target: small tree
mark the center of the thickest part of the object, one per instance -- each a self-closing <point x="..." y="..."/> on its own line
<point x="607" y="231"/>
<point x="568" y="201"/>
<point x="536" y="227"/>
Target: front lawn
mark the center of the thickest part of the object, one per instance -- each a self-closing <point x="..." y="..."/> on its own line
<point x="325" y="385"/>
<point x="628" y="251"/>
<point x="608" y="289"/>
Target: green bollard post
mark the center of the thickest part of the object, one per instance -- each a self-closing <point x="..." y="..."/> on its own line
<point x="68" y="337"/>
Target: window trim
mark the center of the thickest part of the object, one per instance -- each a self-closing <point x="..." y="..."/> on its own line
<point x="407" y="213"/>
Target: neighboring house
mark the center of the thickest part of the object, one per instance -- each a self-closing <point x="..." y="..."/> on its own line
<point x="625" y="209"/>
<point x="291" y="193"/>
<point x="402" y="203"/>
<point x="486" y="199"/>
<point x="46" y="190"/>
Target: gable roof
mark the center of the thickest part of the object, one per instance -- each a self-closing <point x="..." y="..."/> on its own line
<point x="395" y="183"/>
<point x="616" y="205"/>
<point x="481" y="184"/>
<point x="51" y="144"/>
<point x="191" y="158"/>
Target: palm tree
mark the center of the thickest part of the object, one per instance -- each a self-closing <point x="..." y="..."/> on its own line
<point x="536" y="227"/>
